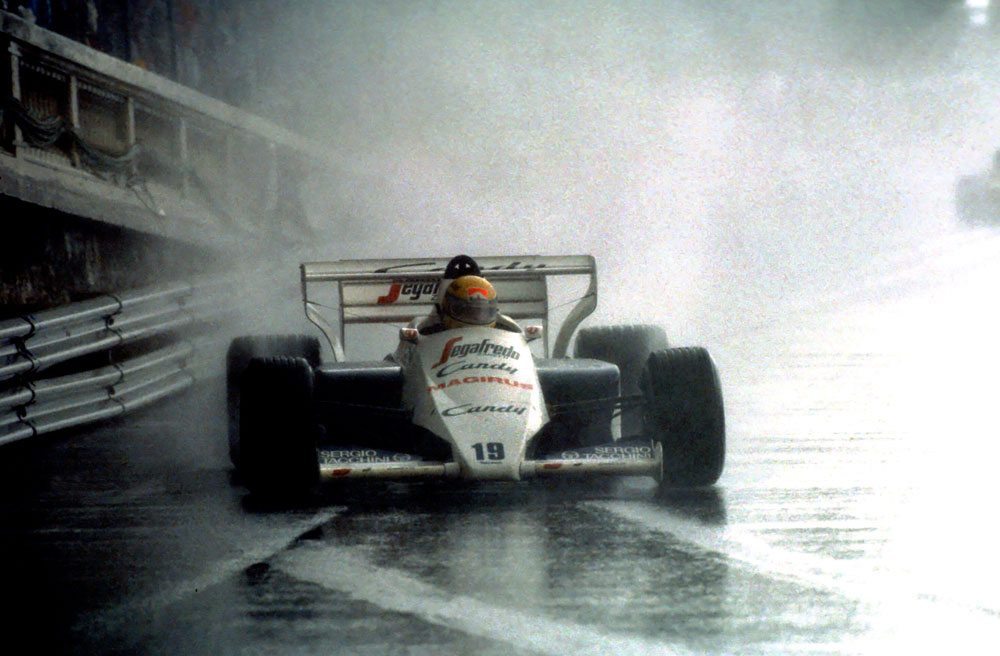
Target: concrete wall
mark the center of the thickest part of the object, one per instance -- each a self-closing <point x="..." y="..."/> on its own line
<point x="48" y="258"/>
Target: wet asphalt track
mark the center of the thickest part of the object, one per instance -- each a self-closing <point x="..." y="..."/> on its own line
<point x="855" y="516"/>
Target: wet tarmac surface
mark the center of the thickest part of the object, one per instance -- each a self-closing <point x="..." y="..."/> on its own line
<point x="855" y="516"/>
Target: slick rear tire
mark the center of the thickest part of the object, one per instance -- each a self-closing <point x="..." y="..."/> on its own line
<point x="278" y="430"/>
<point x="241" y="351"/>
<point x="684" y="413"/>
<point x="628" y="347"/>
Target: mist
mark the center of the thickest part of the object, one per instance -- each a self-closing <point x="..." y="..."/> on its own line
<point x="727" y="164"/>
<point x="762" y="179"/>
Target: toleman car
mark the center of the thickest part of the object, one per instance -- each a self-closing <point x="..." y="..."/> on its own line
<point x="477" y="403"/>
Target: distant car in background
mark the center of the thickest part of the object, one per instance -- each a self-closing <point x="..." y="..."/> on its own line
<point x="977" y="197"/>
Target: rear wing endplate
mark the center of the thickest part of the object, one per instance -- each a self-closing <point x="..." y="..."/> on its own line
<point x="398" y="290"/>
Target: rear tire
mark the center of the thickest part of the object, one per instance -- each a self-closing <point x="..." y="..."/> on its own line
<point x="278" y="430"/>
<point x="241" y="351"/>
<point x="627" y="347"/>
<point x="684" y="413"/>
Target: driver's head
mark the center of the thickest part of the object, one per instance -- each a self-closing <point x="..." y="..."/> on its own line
<point x="469" y="301"/>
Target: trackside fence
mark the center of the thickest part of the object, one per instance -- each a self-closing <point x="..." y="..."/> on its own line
<point x="33" y="402"/>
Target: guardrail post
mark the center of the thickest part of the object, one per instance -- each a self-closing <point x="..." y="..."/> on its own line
<point x="182" y="153"/>
<point x="271" y="187"/>
<point x="229" y="189"/>
<point x="130" y="130"/>
<point x="74" y="116"/>
<point x="15" y="92"/>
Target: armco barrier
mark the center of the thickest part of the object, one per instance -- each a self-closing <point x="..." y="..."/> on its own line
<point x="32" y="404"/>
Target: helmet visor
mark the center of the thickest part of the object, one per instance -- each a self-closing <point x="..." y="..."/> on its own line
<point x="476" y="311"/>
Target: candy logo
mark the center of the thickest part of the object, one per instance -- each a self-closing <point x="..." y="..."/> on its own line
<point x="470" y="409"/>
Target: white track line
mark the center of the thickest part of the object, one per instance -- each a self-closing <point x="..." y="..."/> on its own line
<point x="348" y="571"/>
<point x="734" y="544"/>
<point x="880" y="590"/>
<point x="109" y="622"/>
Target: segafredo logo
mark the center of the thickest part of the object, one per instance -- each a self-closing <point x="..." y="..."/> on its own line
<point x="412" y="291"/>
<point x="452" y="349"/>
<point x="470" y="409"/>
<point x="454" y="353"/>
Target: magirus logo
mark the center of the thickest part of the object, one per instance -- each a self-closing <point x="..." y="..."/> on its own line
<point x="412" y="291"/>
<point x="471" y="380"/>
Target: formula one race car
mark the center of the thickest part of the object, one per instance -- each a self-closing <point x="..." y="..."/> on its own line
<point x="471" y="402"/>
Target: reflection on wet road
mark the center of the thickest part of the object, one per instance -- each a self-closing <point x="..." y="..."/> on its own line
<point x="854" y="517"/>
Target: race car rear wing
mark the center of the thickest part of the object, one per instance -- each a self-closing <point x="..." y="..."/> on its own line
<point x="397" y="290"/>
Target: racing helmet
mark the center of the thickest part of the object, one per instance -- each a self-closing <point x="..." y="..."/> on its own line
<point x="458" y="266"/>
<point x="461" y="265"/>
<point x="469" y="301"/>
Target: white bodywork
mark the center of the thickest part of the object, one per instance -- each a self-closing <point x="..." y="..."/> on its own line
<point x="476" y="388"/>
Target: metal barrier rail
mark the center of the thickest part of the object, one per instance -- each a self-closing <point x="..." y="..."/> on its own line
<point x="54" y="336"/>
<point x="31" y="405"/>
